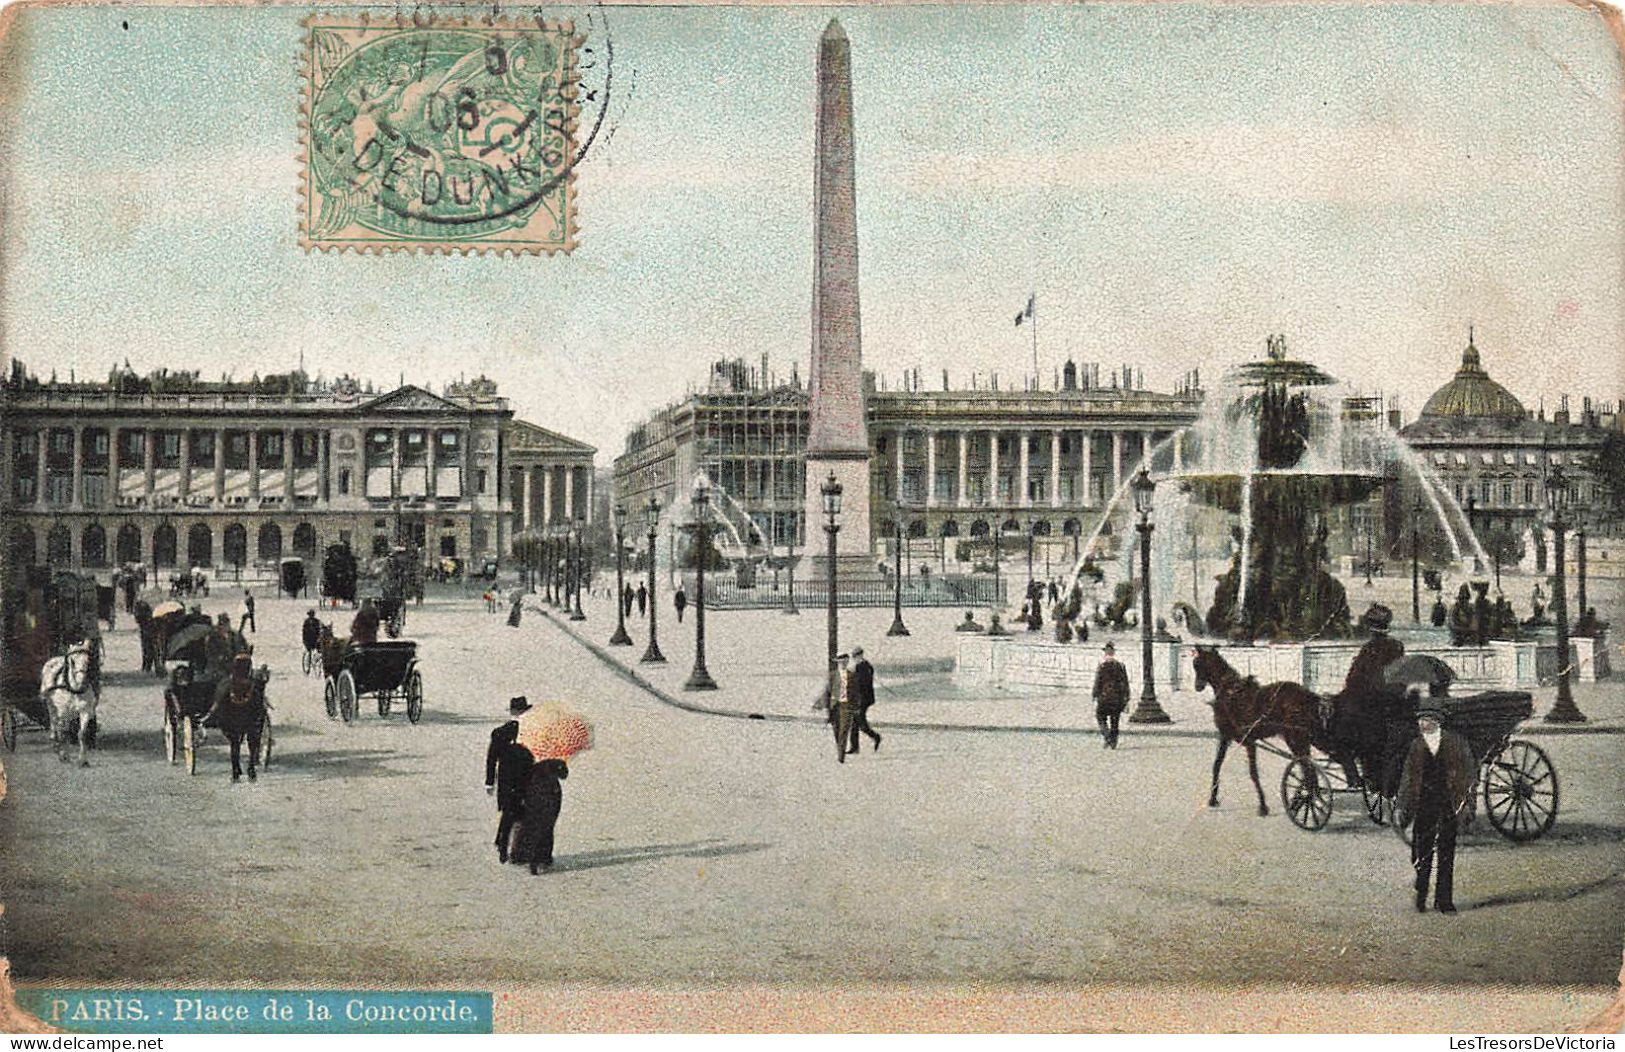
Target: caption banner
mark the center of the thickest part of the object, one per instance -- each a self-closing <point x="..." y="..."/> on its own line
<point x="260" y="1011"/>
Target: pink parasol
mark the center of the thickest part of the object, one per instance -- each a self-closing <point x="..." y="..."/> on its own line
<point x="552" y="732"/>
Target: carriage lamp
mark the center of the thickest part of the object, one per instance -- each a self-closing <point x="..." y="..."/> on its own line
<point x="1557" y="498"/>
<point x="699" y="678"/>
<point x="651" y="517"/>
<point x="1143" y="487"/>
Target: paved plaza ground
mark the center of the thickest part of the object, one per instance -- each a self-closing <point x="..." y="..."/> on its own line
<point x="701" y="848"/>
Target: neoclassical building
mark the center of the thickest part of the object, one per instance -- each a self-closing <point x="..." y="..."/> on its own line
<point x="952" y="463"/>
<point x="550" y="478"/>
<point x="1493" y="455"/>
<point x="171" y="471"/>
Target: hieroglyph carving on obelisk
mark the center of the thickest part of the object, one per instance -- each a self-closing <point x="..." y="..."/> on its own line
<point x="837" y="437"/>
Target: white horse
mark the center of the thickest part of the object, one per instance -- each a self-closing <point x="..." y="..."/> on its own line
<point x="67" y="687"/>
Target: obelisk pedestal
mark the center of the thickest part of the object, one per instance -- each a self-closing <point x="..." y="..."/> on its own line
<point x="837" y="434"/>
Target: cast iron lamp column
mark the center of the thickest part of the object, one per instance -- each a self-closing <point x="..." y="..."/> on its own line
<point x="1557" y="497"/>
<point x="897" y="627"/>
<point x="831" y="492"/>
<point x="1147" y="711"/>
<point x="790" y="578"/>
<point x="620" y="638"/>
<point x="700" y="677"/>
<point x="1416" y="562"/>
<point x="1580" y="563"/>
<point x="651" y="515"/>
<point x="581" y="566"/>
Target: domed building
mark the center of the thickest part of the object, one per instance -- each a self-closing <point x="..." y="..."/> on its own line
<point x="1492" y="454"/>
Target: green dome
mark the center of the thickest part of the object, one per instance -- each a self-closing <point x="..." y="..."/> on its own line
<point x="1473" y="394"/>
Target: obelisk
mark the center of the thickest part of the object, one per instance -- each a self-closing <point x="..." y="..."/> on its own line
<point x="837" y="435"/>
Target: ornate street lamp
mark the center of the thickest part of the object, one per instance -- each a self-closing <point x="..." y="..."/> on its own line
<point x="651" y="516"/>
<point x="700" y="678"/>
<point x="620" y="638"/>
<point x="1557" y="499"/>
<point x="1147" y="711"/>
<point x="580" y="532"/>
<point x="831" y="492"/>
<point x="897" y="627"/>
<point x="1416" y="561"/>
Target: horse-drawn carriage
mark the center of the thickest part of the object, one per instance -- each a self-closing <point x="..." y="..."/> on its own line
<point x="193" y="687"/>
<point x="387" y="670"/>
<point x="339" y="573"/>
<point x="1516" y="777"/>
<point x="45" y="615"/>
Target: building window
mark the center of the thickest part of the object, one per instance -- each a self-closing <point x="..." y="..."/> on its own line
<point x="170" y="444"/>
<point x="59" y="489"/>
<point x="98" y="443"/>
<point x="1484" y="491"/>
<point x="1458" y="493"/>
<point x="95" y="490"/>
<point x="62" y="443"/>
<point x="1506" y="493"/>
<point x="344" y="482"/>
<point x="479" y="480"/>
<point x="448" y="547"/>
<point x="1529" y="493"/>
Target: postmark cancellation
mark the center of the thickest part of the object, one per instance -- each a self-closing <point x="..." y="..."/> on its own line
<point x="438" y="136"/>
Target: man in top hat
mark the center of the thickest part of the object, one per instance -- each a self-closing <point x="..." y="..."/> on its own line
<point x="1356" y="713"/>
<point x="863" y="694"/>
<point x="1111" y="695"/>
<point x="1436" y="793"/>
<point x="507" y="768"/>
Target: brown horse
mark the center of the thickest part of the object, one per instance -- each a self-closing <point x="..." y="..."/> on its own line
<point x="1247" y="713"/>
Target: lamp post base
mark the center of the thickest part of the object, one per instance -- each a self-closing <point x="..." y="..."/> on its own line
<point x="1148" y="711"/>
<point x="620" y="638"/>
<point x="652" y="656"/>
<point x="577" y="615"/>
<point x="897" y="628"/>
<point x="789" y="607"/>
<point x="1564" y="711"/>
<point x="700" y="679"/>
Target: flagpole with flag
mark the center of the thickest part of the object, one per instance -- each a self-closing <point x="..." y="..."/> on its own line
<point x="1030" y="313"/>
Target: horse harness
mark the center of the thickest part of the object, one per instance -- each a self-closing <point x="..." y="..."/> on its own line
<point x="61" y="680"/>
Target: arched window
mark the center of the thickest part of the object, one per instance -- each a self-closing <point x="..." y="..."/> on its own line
<point x="93" y="546"/>
<point x="59" y="547"/>
<point x="200" y="545"/>
<point x="163" y="546"/>
<point x="129" y="544"/>
<point x="304" y="541"/>
<point x="234" y="545"/>
<point x="917" y="528"/>
<point x="979" y="528"/>
<point x="270" y="546"/>
<point x="950" y="528"/>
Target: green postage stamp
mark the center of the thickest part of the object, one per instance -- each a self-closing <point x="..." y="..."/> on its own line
<point x="439" y="137"/>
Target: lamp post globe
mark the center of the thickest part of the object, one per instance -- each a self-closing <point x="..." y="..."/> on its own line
<point x="1147" y="710"/>
<point x="651" y="518"/>
<point x="1557" y="498"/>
<point x="699" y="678"/>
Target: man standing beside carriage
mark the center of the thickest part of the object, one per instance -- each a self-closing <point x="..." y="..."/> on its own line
<point x="1435" y="792"/>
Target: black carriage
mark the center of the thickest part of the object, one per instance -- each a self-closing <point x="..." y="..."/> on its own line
<point x="387" y="670"/>
<point x="339" y="573"/>
<point x="187" y="700"/>
<point x="1515" y="776"/>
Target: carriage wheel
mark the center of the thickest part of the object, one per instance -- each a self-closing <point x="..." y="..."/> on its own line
<point x="414" y="696"/>
<point x="171" y="735"/>
<point x="1377" y="806"/>
<point x="330" y="697"/>
<point x="267" y="739"/>
<point x="8" y="727"/>
<point x="385" y="700"/>
<point x="308" y="662"/>
<point x="1520" y="791"/>
<point x="1307" y="795"/>
<point x="347" y="695"/>
<point x="189" y="743"/>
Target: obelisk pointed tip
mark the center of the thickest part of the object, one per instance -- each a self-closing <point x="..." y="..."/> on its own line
<point x="833" y="31"/>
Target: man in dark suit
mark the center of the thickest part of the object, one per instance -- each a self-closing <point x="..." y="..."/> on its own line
<point x="1111" y="695"/>
<point x="1436" y="793"/>
<point x="507" y="769"/>
<point x="863" y="694"/>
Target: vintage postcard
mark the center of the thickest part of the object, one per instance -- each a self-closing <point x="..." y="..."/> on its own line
<point x="483" y="550"/>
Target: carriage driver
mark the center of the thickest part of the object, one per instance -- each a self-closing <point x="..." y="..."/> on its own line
<point x="1357" y="712"/>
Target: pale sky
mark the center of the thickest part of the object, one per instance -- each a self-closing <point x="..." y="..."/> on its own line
<point x="1175" y="182"/>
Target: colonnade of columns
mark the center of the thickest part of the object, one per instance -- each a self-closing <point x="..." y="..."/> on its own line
<point x="565" y="490"/>
<point x="1022" y="492"/>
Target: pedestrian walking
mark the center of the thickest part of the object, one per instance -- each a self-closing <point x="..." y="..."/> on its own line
<point x="544" y="798"/>
<point x="247" y="621"/>
<point x="1111" y="695"/>
<point x="129" y="592"/>
<point x="843" y="709"/>
<point x="507" y="770"/>
<point x="643" y="599"/>
<point x="863" y="690"/>
<point x="680" y="600"/>
<point x="142" y="613"/>
<point x="490" y="601"/>
<point x="1436" y="793"/>
<point x="515" y="611"/>
<point x="628" y="597"/>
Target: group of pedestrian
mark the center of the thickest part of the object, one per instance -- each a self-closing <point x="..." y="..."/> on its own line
<point x="850" y="696"/>
<point x="528" y="794"/>
<point x="640" y="599"/>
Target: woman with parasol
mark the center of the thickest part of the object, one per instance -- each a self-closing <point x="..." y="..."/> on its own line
<point x="553" y="734"/>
